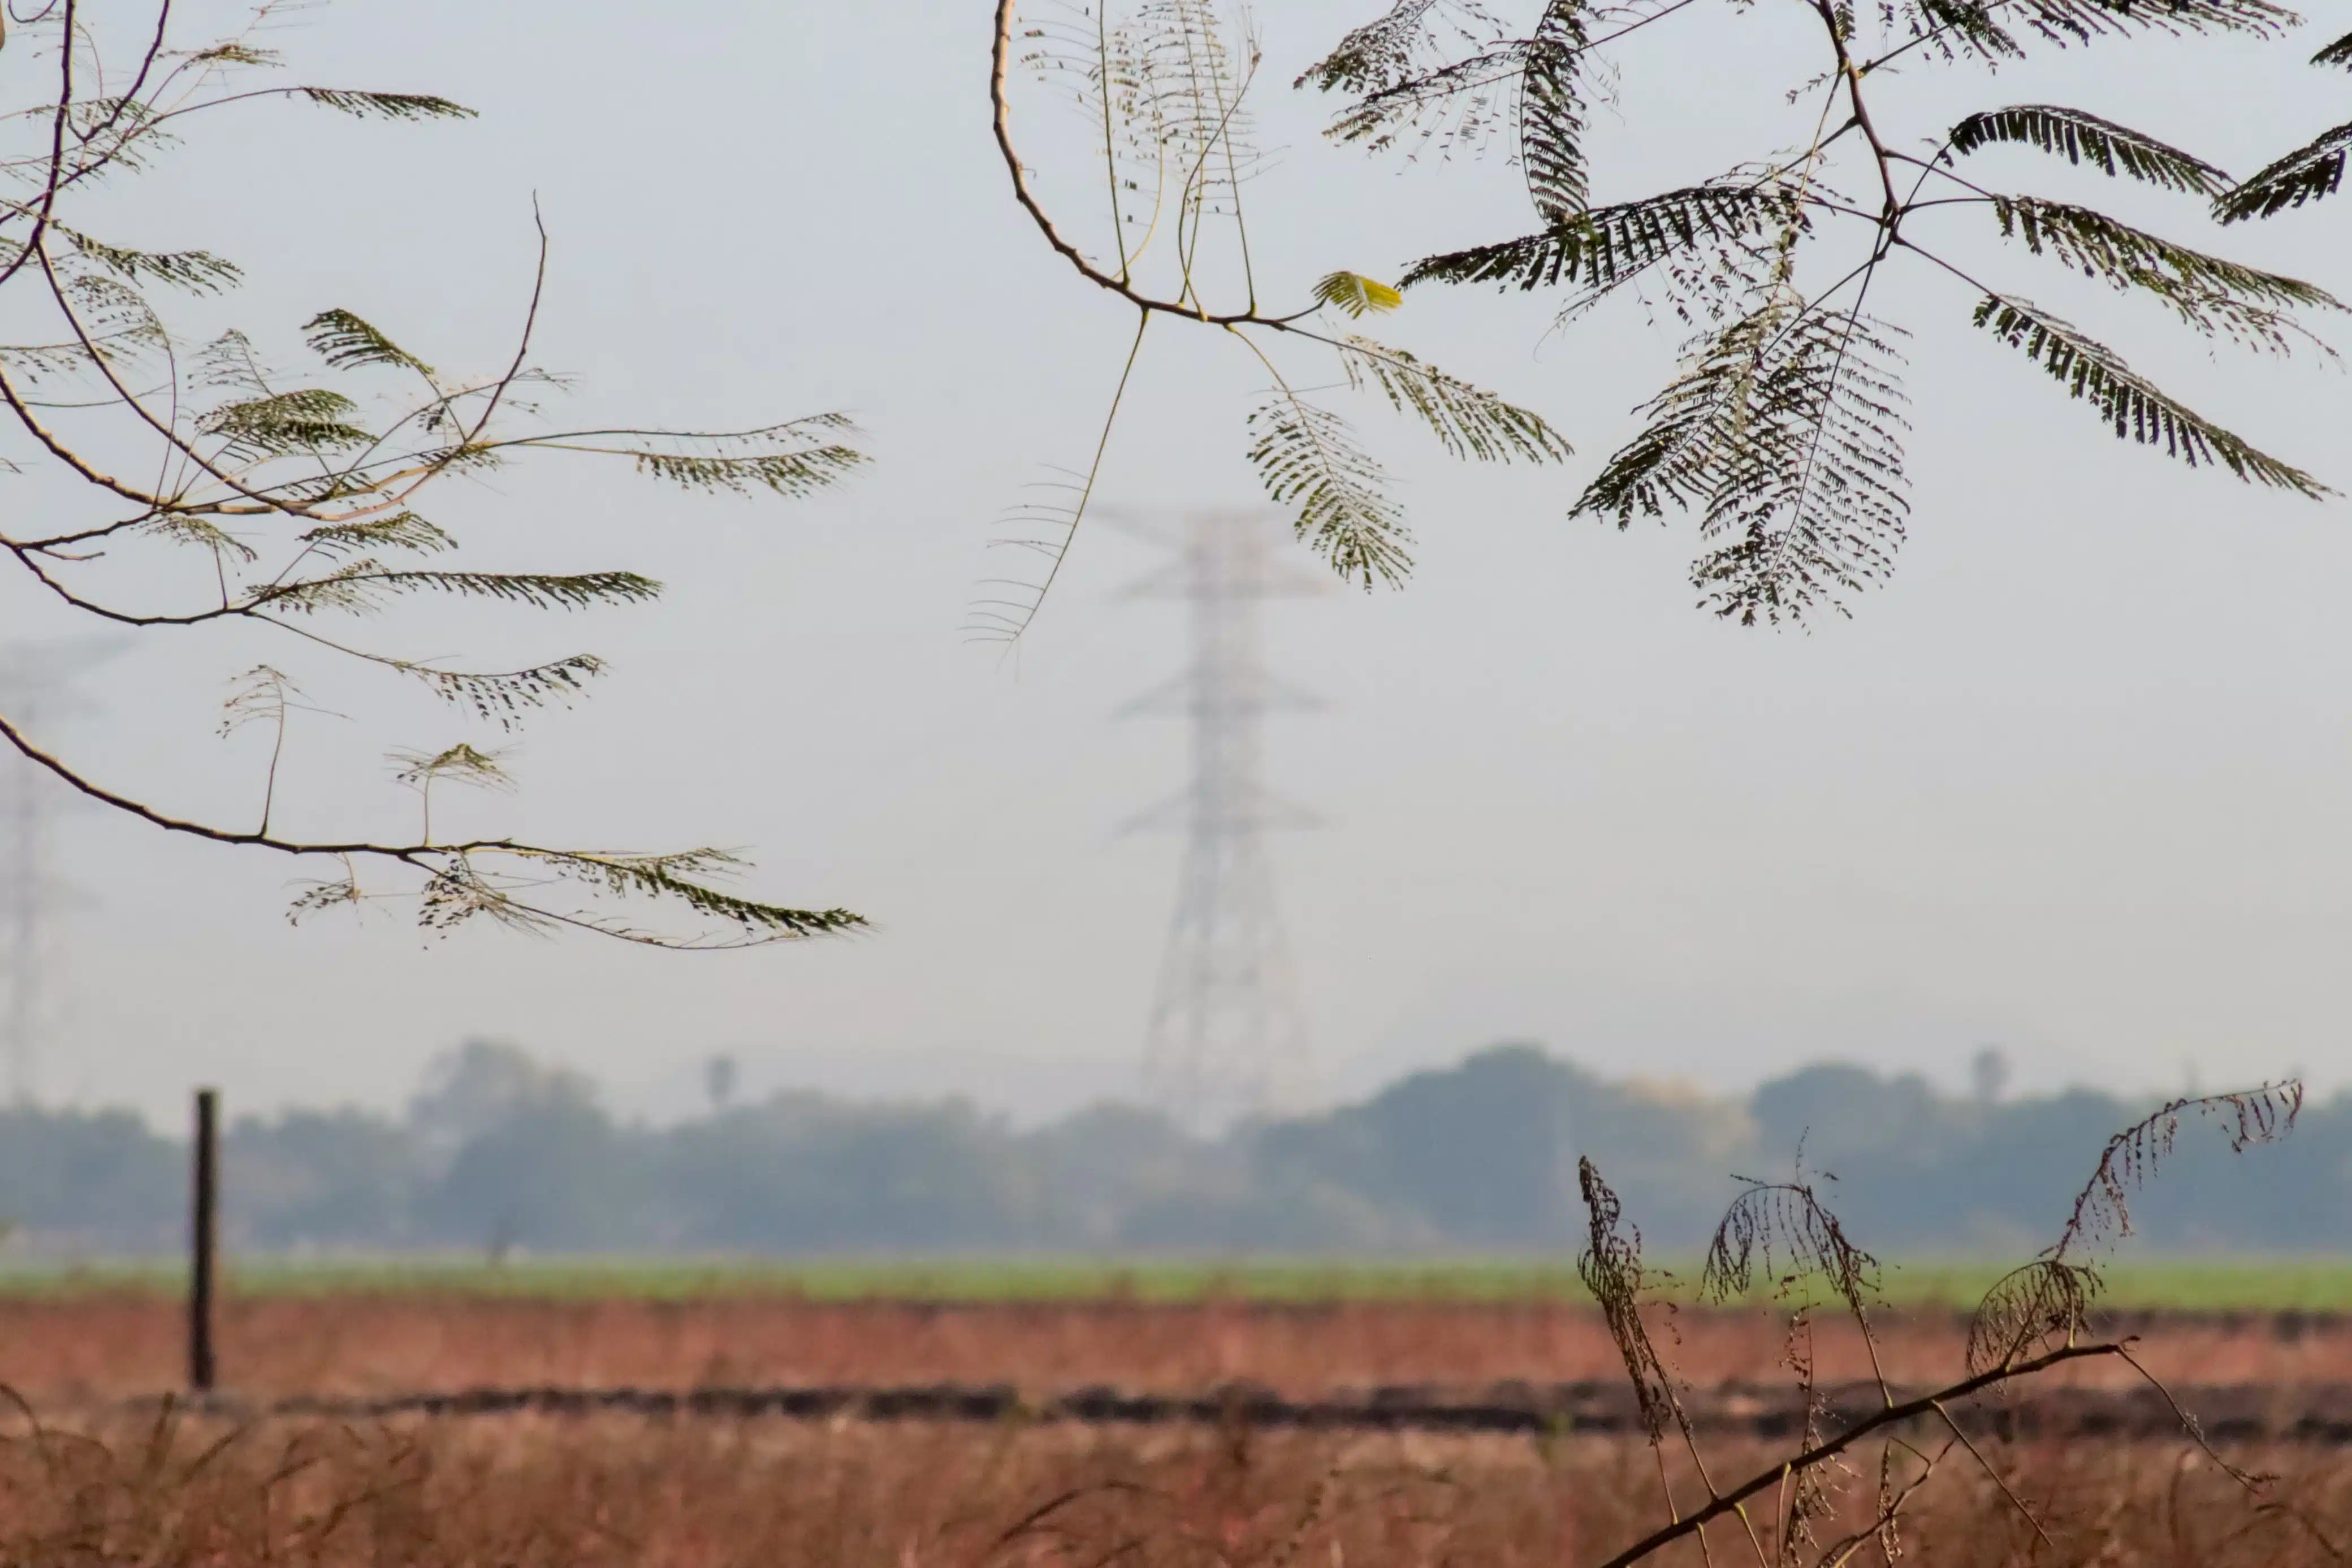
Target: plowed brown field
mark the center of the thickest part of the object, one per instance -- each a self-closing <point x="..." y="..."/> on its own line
<point x="112" y="1345"/>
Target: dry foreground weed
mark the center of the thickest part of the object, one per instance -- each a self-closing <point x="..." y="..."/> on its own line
<point x="528" y="1492"/>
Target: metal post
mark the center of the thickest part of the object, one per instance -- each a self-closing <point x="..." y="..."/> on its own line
<point x="203" y="1240"/>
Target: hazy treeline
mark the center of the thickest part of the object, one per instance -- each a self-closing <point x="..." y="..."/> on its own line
<point x="497" y="1150"/>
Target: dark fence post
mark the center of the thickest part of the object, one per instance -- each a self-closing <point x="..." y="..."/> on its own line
<point x="203" y="1239"/>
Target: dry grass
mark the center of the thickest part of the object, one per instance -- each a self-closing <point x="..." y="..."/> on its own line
<point x="523" y="1493"/>
<point x="69" y="1350"/>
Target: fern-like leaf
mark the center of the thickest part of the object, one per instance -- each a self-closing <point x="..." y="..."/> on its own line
<point x="1551" y="112"/>
<point x="1600" y="249"/>
<point x="794" y="458"/>
<point x="1468" y="421"/>
<point x="2310" y="173"/>
<point x="344" y="341"/>
<point x="1957" y="28"/>
<point x="402" y="530"/>
<point x="1459" y="103"/>
<point x="194" y="271"/>
<point x="1784" y="433"/>
<point x="2081" y="21"/>
<point x="1377" y="55"/>
<point x="506" y="697"/>
<point x="2130" y="405"/>
<point x="311" y="420"/>
<point x="2338" y="53"/>
<point x="358" y="586"/>
<point x="2210" y="293"/>
<point x="386" y="105"/>
<point x="1356" y="294"/>
<point x="684" y="878"/>
<point x="2081" y="138"/>
<point x="1309" y="461"/>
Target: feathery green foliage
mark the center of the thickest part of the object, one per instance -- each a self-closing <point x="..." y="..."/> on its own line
<point x="1783" y="431"/>
<point x="2082" y="138"/>
<point x="2314" y="171"/>
<point x="2136" y="411"/>
<point x="386" y="105"/>
<point x="2307" y="174"/>
<point x="344" y="341"/>
<point x="1356" y="294"/>
<point x="1551" y="111"/>
<point x="364" y="584"/>
<point x="402" y="530"/>
<point x="1309" y="460"/>
<point x="1596" y="252"/>
<point x="2216" y="296"/>
<point x="1469" y="422"/>
<point x="301" y="492"/>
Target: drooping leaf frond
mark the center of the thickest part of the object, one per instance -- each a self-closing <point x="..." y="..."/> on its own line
<point x="2081" y="21"/>
<point x="344" y="341"/>
<point x="1784" y="433"/>
<point x="187" y="528"/>
<point x="402" y="530"/>
<point x="118" y="318"/>
<point x="195" y="271"/>
<point x="313" y="419"/>
<point x="1459" y="103"/>
<point x="1356" y="294"/>
<point x="1612" y="1268"/>
<point x="2043" y="1304"/>
<point x="1551" y="112"/>
<point x="362" y="584"/>
<point x="386" y="105"/>
<point x="2210" y="293"/>
<point x="2048" y="1302"/>
<point x="2082" y="138"/>
<point x="1957" y="28"/>
<point x="458" y="763"/>
<point x="2310" y="173"/>
<point x="2338" y="53"/>
<point x="1309" y="461"/>
<point x="1779" y="1232"/>
<point x="794" y="458"/>
<point x="262" y="694"/>
<point x="506" y="697"/>
<point x="1468" y="421"/>
<point x="1378" y="54"/>
<point x="684" y="879"/>
<point x="2135" y="409"/>
<point x="1600" y="249"/>
<point x="1193" y="82"/>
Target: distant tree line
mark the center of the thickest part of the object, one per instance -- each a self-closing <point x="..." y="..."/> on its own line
<point x="499" y="1151"/>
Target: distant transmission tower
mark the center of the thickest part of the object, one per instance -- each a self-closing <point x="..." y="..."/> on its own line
<point x="35" y="687"/>
<point x="1226" y="1033"/>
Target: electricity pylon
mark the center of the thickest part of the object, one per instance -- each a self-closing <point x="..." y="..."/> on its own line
<point x="1226" y="1036"/>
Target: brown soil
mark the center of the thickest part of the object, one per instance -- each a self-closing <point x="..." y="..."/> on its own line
<point x="106" y="1347"/>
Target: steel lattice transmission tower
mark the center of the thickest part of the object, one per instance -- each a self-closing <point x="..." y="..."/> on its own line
<point x="35" y="689"/>
<point x="1226" y="1035"/>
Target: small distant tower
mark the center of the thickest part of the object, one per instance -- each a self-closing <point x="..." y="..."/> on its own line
<point x="1226" y="1035"/>
<point x="35" y="689"/>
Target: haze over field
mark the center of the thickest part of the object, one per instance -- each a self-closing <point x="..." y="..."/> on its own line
<point x="2073" y="783"/>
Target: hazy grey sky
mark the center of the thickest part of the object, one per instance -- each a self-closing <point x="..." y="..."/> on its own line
<point x="2075" y="783"/>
